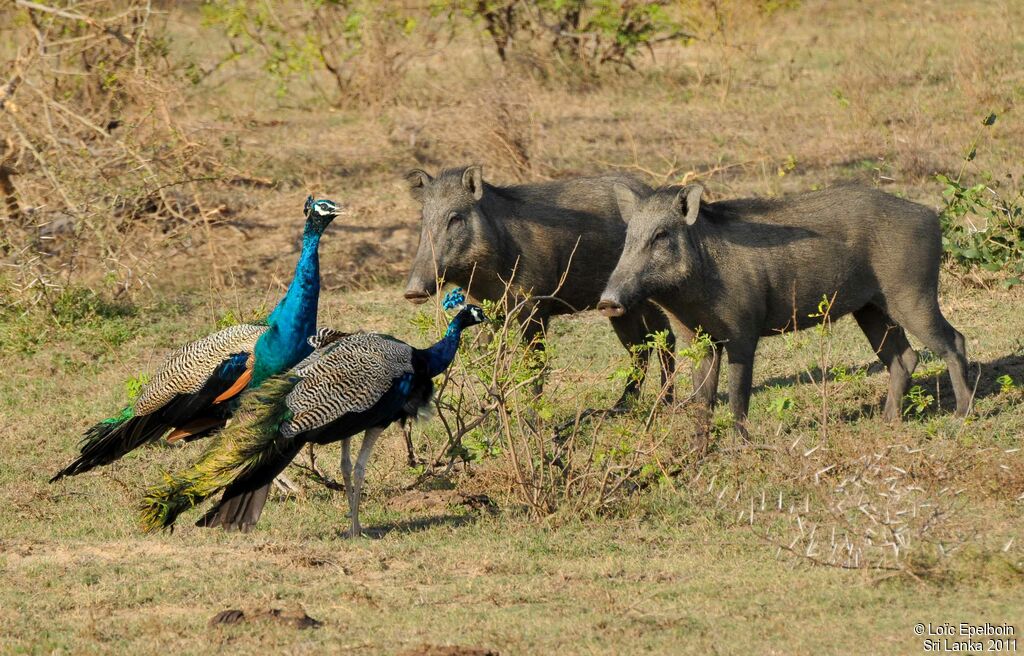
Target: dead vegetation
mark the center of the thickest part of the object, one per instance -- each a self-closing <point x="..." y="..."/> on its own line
<point x="138" y="133"/>
<point x="102" y="167"/>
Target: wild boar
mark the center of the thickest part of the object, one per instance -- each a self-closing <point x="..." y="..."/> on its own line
<point x="477" y="235"/>
<point x="745" y="269"/>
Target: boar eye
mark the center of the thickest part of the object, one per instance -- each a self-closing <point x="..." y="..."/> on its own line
<point x="659" y="236"/>
<point x="454" y="218"/>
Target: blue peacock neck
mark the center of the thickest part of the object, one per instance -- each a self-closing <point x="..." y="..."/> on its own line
<point x="441" y="354"/>
<point x="293" y="321"/>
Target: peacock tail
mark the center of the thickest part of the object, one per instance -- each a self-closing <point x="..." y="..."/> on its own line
<point x="249" y="442"/>
<point x="123" y="416"/>
<point x="111" y="438"/>
<point x="102" y="429"/>
<point x="99" y="432"/>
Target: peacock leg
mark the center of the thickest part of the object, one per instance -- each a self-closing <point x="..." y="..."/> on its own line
<point x="369" y="439"/>
<point x="346" y="469"/>
<point x="410" y="450"/>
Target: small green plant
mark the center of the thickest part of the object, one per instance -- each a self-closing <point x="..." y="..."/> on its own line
<point x="982" y="228"/>
<point x="782" y="406"/>
<point x="917" y="401"/>
<point x="788" y="166"/>
<point x="479" y="445"/>
<point x="227" y="320"/>
<point x="133" y="386"/>
<point x="230" y="318"/>
<point x="616" y="452"/>
<point x="842" y="374"/>
<point x="929" y="367"/>
<point x="75" y="306"/>
<point x="655" y="344"/>
<point x="699" y="347"/>
<point x="822" y="314"/>
<point x="1006" y="384"/>
<point x="722" y="424"/>
<point x="423" y="323"/>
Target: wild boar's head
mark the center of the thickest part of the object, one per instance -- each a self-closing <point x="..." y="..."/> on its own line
<point x="657" y="255"/>
<point x="452" y="226"/>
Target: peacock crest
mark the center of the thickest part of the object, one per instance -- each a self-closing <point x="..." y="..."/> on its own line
<point x="454" y="299"/>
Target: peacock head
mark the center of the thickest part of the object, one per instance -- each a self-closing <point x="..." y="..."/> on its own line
<point x="469" y="315"/>
<point x="472" y="315"/>
<point x="320" y="213"/>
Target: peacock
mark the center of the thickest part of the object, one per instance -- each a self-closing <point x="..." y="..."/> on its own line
<point x="190" y="393"/>
<point x="352" y="382"/>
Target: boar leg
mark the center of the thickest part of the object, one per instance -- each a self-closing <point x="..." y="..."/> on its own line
<point x="655" y="320"/>
<point x="927" y="324"/>
<point x="705" y="390"/>
<point x="633" y="329"/>
<point x="890" y="344"/>
<point x="741" y="381"/>
<point x="667" y="366"/>
<point x="705" y="378"/>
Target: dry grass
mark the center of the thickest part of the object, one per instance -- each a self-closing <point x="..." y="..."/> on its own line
<point x="678" y="563"/>
<point x="697" y="553"/>
<point x="767" y="105"/>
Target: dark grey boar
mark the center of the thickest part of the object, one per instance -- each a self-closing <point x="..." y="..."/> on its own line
<point x="744" y="269"/>
<point x="476" y="234"/>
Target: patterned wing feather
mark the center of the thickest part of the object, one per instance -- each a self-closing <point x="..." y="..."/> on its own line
<point x="188" y="368"/>
<point x="323" y="338"/>
<point x="351" y="375"/>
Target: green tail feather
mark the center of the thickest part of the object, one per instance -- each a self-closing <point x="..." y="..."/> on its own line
<point x="247" y="443"/>
<point x="104" y="427"/>
<point x="100" y="445"/>
<point x="123" y="416"/>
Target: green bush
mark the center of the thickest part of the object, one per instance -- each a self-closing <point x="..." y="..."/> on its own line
<point x="358" y="43"/>
<point x="981" y="227"/>
<point x="585" y="33"/>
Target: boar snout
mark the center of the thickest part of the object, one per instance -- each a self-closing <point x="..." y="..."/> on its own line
<point x="418" y="291"/>
<point x="619" y="294"/>
<point x="416" y="296"/>
<point x="610" y="308"/>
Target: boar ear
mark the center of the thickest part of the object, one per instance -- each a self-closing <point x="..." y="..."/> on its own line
<point x="473" y="181"/>
<point x="626" y="198"/>
<point x="418" y="181"/>
<point x="688" y="202"/>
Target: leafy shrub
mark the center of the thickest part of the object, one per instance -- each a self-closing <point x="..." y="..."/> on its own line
<point x="588" y="34"/>
<point x="360" y="44"/>
<point x="997" y="244"/>
<point x="918" y="401"/>
<point x="981" y="228"/>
